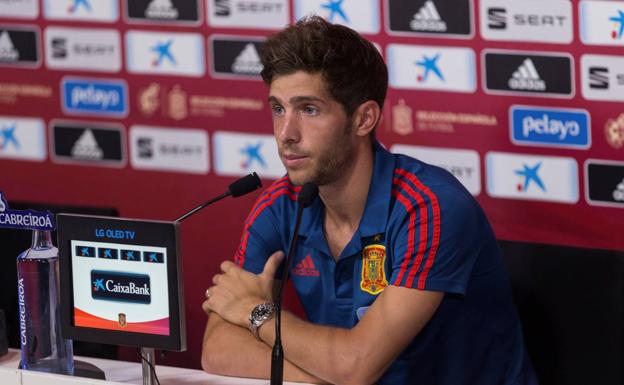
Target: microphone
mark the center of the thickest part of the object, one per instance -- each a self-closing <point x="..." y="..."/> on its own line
<point x="239" y="187"/>
<point x="307" y="195"/>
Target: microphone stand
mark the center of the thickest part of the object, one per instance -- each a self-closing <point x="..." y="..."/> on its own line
<point x="306" y="197"/>
<point x="277" y="355"/>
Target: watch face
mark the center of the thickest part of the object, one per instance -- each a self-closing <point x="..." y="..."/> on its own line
<point x="261" y="313"/>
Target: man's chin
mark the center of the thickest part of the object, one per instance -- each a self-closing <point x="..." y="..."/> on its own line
<point x="299" y="178"/>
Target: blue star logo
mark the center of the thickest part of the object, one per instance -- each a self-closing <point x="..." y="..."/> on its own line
<point x="130" y="255"/>
<point x="153" y="257"/>
<point x="107" y="253"/>
<point x="335" y="8"/>
<point x="8" y="136"/>
<point x="530" y="174"/>
<point x="84" y="251"/>
<point x="429" y="65"/>
<point x="98" y="284"/>
<point x="253" y="154"/>
<point x="620" y="20"/>
<point x="77" y="3"/>
<point x="163" y="51"/>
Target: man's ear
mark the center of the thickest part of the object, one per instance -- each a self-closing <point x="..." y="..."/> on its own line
<point x="366" y="117"/>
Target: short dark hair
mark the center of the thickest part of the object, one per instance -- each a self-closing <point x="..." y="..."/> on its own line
<point x="351" y="66"/>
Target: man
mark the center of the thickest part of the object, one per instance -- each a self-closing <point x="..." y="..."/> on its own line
<point x="397" y="268"/>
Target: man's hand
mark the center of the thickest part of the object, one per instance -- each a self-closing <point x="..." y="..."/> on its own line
<point x="236" y="291"/>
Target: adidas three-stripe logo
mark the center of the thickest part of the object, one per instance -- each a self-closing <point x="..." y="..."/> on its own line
<point x="527" y="78"/>
<point x="306" y="268"/>
<point x="428" y="19"/>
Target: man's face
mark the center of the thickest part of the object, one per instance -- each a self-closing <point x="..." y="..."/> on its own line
<point x="314" y="136"/>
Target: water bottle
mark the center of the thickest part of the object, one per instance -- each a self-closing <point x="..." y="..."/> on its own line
<point x="43" y="348"/>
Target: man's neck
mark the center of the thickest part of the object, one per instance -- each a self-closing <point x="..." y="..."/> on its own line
<point x="345" y="199"/>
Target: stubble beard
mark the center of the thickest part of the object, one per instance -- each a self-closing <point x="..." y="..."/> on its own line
<point x="332" y="163"/>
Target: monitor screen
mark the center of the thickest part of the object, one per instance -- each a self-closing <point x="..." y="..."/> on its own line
<point x="120" y="281"/>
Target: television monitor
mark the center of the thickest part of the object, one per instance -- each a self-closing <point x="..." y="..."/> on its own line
<point x="121" y="281"/>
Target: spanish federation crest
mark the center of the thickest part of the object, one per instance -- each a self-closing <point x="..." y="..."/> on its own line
<point x="373" y="273"/>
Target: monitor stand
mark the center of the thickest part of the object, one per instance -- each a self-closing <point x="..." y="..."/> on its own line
<point x="148" y="361"/>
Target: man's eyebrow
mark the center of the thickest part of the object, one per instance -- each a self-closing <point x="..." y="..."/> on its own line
<point x="297" y="99"/>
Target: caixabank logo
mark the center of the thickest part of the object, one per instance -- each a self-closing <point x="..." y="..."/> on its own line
<point x="532" y="177"/>
<point x="105" y="11"/>
<point x="417" y="67"/>
<point x="19" y="46"/>
<point x="602" y="22"/>
<point x="235" y="57"/>
<point x="87" y="143"/>
<point x="22" y="138"/>
<point x="171" y="53"/>
<point x="360" y="15"/>
<point x="120" y="287"/>
<point x="539" y="21"/>
<point x="450" y="19"/>
<point x="550" y="127"/>
<point x="163" y="11"/>
<point x="19" y="9"/>
<point x="82" y="96"/>
<point x="528" y="73"/>
<point x="602" y="77"/>
<point x="604" y="183"/>
<point x="238" y="154"/>
<point x="258" y="14"/>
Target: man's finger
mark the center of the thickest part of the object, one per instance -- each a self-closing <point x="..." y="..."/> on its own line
<point x="272" y="264"/>
<point x="227" y="266"/>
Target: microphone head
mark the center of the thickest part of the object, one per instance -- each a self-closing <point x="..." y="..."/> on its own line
<point x="245" y="185"/>
<point x="308" y="194"/>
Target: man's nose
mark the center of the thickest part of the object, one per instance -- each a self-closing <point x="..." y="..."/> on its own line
<point x="289" y="128"/>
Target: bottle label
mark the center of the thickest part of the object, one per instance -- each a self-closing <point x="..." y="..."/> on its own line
<point x="24" y="219"/>
<point x="22" y="310"/>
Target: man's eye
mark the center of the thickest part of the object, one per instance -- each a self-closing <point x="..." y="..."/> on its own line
<point x="310" y="110"/>
<point x="278" y="110"/>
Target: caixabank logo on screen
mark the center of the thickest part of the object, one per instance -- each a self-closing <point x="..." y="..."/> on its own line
<point x="120" y="287"/>
<point x="262" y="14"/>
<point x="238" y="154"/>
<point x="528" y="73"/>
<point x="604" y="183"/>
<point x="235" y="57"/>
<point x="163" y="11"/>
<point x="19" y="46"/>
<point x="539" y="21"/>
<point x="87" y="143"/>
<point x="451" y="19"/>
<point x="81" y="96"/>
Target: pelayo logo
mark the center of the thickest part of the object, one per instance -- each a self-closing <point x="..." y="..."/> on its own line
<point x="120" y="287"/>
<point x="551" y="127"/>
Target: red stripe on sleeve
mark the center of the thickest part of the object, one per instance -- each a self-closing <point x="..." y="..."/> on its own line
<point x="282" y="190"/>
<point x="422" y="239"/>
<point x="436" y="229"/>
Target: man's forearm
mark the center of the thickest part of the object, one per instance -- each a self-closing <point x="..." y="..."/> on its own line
<point x="231" y="350"/>
<point x="325" y="351"/>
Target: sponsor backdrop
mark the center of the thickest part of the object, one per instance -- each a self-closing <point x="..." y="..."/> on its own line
<point x="152" y="106"/>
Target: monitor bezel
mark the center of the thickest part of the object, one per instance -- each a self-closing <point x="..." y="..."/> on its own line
<point x="155" y="233"/>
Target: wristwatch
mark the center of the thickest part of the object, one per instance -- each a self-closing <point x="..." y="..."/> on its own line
<point x="259" y="315"/>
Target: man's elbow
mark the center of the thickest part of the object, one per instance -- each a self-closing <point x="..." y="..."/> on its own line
<point x="357" y="371"/>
